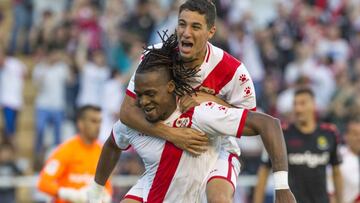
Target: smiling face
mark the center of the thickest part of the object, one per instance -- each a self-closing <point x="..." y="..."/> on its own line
<point x="193" y="34"/>
<point x="155" y="94"/>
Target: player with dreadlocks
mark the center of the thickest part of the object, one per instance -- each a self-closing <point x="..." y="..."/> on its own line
<point x="173" y="175"/>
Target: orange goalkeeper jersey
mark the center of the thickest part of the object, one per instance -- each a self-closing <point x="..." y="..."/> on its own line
<point x="73" y="165"/>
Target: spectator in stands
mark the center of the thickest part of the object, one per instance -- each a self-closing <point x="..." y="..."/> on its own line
<point x="2" y="34"/>
<point x="243" y="47"/>
<point x="112" y="97"/>
<point x="85" y="16"/>
<point x="13" y="73"/>
<point x="109" y="23"/>
<point x="320" y="77"/>
<point x="333" y="46"/>
<point x="339" y="107"/>
<point x="41" y="34"/>
<point x="22" y="15"/>
<point x="50" y="76"/>
<point x="72" y="166"/>
<point x="93" y="74"/>
<point x="268" y="98"/>
<point x="8" y="169"/>
<point x="138" y="26"/>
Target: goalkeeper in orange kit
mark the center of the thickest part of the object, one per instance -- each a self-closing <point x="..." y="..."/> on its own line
<point x="71" y="167"/>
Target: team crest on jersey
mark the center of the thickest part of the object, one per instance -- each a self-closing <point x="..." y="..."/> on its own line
<point x="322" y="143"/>
<point x="182" y="122"/>
<point x="243" y="79"/>
<point x="207" y="90"/>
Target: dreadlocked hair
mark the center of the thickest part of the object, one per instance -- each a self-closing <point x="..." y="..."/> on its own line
<point x="168" y="57"/>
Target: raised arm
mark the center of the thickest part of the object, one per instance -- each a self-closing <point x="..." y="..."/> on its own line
<point x="188" y="139"/>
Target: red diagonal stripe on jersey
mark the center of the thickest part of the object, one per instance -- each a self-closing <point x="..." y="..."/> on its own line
<point x="222" y="73"/>
<point x="169" y="162"/>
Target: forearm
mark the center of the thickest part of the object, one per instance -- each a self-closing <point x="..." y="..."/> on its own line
<point x="338" y="184"/>
<point x="109" y="156"/>
<point x="274" y="143"/>
<point x="48" y="186"/>
<point x="133" y="117"/>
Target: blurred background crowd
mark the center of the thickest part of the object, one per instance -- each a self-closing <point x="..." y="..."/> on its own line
<point x="58" y="55"/>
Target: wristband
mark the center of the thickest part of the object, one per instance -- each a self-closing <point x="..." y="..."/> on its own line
<point x="281" y="180"/>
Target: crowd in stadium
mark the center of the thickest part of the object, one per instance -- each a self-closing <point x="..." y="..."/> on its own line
<point x="83" y="52"/>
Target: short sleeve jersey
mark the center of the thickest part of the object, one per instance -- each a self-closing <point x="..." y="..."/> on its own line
<point x="172" y="175"/>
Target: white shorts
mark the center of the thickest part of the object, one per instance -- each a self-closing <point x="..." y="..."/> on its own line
<point x="136" y="191"/>
<point x="227" y="167"/>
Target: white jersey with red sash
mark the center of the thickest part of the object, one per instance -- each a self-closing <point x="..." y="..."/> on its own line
<point x="173" y="175"/>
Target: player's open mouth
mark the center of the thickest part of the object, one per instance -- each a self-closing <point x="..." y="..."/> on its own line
<point x="186" y="46"/>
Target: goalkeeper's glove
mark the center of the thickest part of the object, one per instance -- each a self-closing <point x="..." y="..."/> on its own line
<point x="96" y="194"/>
<point x="72" y="195"/>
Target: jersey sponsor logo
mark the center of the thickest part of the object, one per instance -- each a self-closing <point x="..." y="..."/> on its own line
<point x="309" y="159"/>
<point x="247" y="91"/>
<point x="81" y="178"/>
<point x="207" y="90"/>
<point x="182" y="122"/>
<point x="243" y="79"/>
<point x="322" y="143"/>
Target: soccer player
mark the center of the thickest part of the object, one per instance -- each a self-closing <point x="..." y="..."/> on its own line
<point x="69" y="170"/>
<point x="173" y="175"/>
<point x="219" y="74"/>
<point x="311" y="146"/>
